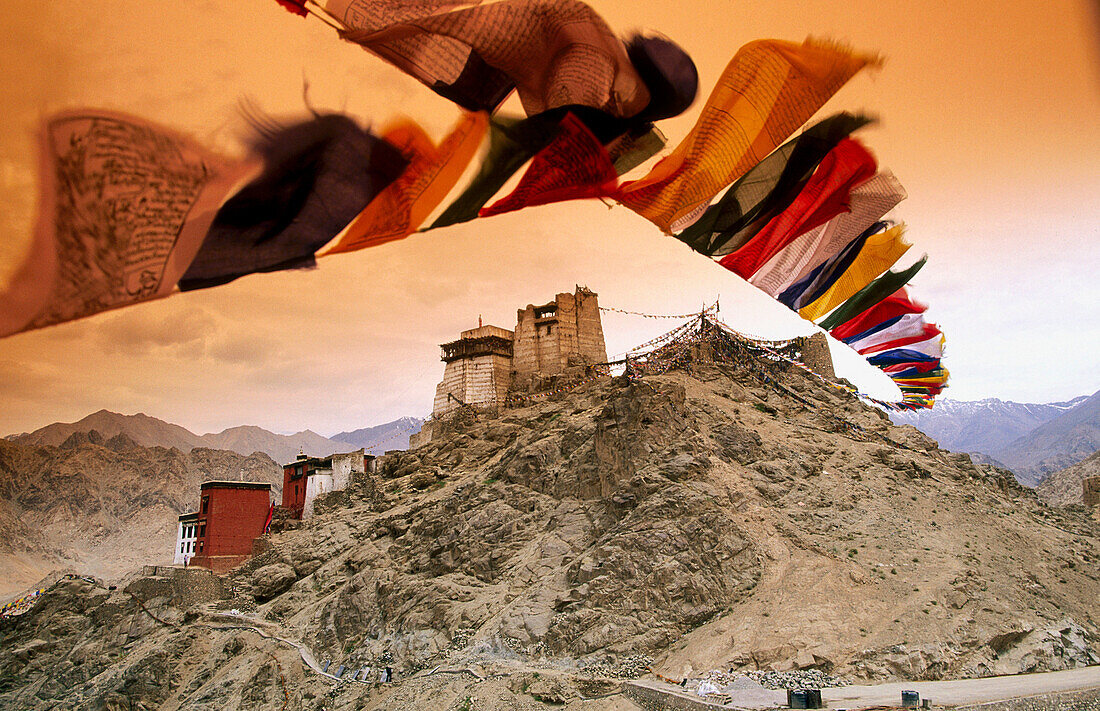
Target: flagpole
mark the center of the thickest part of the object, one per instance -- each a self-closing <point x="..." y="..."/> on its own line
<point x="324" y="15"/>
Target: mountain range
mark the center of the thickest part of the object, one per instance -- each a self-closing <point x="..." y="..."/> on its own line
<point x="383" y="438"/>
<point x="151" y="432"/>
<point x="1032" y="440"/>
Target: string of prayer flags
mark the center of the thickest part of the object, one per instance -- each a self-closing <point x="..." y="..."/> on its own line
<point x="867" y="204"/>
<point x="872" y="294"/>
<point x="767" y="91"/>
<point x="767" y="189"/>
<point x="432" y="172"/>
<point x="824" y="197"/>
<point x="124" y="205"/>
<point x="318" y="175"/>
<point x="879" y="252"/>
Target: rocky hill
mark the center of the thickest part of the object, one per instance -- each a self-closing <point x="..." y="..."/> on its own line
<point x="150" y="432"/>
<point x="985" y="426"/>
<point x="1063" y="487"/>
<point x="1061" y="442"/>
<point x="735" y="516"/>
<point x="103" y="506"/>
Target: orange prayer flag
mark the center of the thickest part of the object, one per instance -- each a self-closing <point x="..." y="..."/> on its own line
<point x="768" y="90"/>
<point x="432" y="172"/>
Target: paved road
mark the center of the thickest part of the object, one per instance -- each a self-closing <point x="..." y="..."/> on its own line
<point x="964" y="691"/>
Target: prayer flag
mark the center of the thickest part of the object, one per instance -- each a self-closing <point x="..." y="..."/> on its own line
<point x="767" y="189"/>
<point x="927" y="331"/>
<point x="824" y="197"/>
<point x="901" y="355"/>
<point x="899" y="327"/>
<point x="512" y="142"/>
<point x="317" y="176"/>
<point x="767" y="91"/>
<point x="124" y="205"/>
<point x="432" y="172"/>
<point x="554" y="53"/>
<point x="575" y="165"/>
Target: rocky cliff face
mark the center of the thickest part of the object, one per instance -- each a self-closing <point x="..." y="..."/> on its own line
<point x="735" y="516"/>
<point x="102" y="505"/>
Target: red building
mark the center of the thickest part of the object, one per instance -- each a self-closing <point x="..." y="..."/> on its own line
<point x="295" y="477"/>
<point x="230" y="515"/>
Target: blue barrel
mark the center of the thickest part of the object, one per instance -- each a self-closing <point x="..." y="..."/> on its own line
<point x="910" y="699"/>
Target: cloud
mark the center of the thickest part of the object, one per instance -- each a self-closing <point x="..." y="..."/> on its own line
<point x="146" y="330"/>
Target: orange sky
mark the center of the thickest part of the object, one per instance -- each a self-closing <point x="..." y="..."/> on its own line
<point x="990" y="116"/>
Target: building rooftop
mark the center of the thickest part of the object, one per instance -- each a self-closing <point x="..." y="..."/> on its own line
<point x="189" y="515"/>
<point x="235" y="485"/>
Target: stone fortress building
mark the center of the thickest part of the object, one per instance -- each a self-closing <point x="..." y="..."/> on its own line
<point x="486" y="363"/>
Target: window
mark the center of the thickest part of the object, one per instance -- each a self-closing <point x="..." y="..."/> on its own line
<point x="205" y="503"/>
<point x="200" y="546"/>
<point x="202" y="530"/>
<point x="548" y="329"/>
<point x="183" y="548"/>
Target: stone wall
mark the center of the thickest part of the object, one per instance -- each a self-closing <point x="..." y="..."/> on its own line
<point x="816" y="355"/>
<point x="648" y="696"/>
<point x="481" y="381"/>
<point x="184" y="587"/>
<point x="1090" y="490"/>
<point x="1085" y="700"/>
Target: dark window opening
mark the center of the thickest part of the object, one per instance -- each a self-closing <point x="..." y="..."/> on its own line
<point x="205" y="503"/>
<point x="202" y="530"/>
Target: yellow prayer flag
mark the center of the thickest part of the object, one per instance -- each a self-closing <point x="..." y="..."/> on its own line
<point x="879" y="253"/>
<point x="768" y="90"/>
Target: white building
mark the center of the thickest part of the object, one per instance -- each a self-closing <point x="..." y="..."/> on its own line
<point x="186" y="534"/>
<point x="306" y="478"/>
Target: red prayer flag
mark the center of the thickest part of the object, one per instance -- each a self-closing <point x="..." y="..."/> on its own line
<point x="573" y="166"/>
<point x="297" y="7"/>
<point x="824" y="197"/>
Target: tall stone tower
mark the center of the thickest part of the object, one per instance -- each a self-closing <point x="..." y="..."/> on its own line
<point x="564" y="333"/>
<point x="478" y="371"/>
